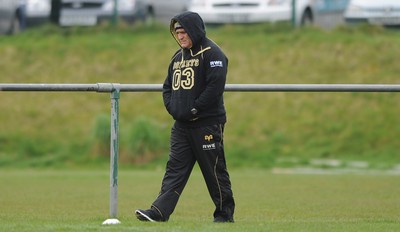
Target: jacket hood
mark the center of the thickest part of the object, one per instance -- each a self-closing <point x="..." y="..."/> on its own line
<point x="193" y="25"/>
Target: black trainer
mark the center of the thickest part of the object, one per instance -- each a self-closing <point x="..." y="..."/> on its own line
<point x="221" y="219"/>
<point x="148" y="215"/>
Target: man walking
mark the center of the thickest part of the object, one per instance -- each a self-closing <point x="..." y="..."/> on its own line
<point x="193" y="96"/>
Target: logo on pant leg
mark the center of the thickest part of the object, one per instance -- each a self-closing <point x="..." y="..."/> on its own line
<point x="207" y="147"/>
<point x="211" y="146"/>
<point x="208" y="138"/>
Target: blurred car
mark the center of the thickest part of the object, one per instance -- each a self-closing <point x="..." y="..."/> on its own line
<point x="252" y="11"/>
<point x="37" y="12"/>
<point x="382" y="12"/>
<point x="164" y="10"/>
<point x="10" y="16"/>
<point x="92" y="12"/>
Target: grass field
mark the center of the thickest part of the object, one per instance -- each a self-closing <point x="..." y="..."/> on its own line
<point x="78" y="200"/>
<point x="42" y="132"/>
<point x="57" y="129"/>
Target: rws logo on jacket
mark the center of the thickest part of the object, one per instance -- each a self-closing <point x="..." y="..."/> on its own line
<point x="216" y="63"/>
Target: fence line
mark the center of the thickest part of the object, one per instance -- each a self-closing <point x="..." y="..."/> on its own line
<point x="116" y="88"/>
<point x="109" y="87"/>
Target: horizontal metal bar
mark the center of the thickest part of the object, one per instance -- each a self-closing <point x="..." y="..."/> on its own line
<point x="48" y="87"/>
<point x="141" y="87"/>
<point x="109" y="87"/>
<point x="313" y="87"/>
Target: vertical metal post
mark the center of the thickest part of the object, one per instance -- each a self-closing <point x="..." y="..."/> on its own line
<point x="114" y="153"/>
<point x="115" y="93"/>
<point x="115" y="13"/>
<point x="294" y="13"/>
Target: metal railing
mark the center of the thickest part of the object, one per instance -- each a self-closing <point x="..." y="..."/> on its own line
<point x="116" y="88"/>
<point x="109" y="87"/>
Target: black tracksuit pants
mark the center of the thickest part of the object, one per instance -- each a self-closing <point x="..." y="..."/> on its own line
<point x="204" y="145"/>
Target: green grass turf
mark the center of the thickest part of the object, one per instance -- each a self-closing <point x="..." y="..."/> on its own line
<point x="78" y="200"/>
<point x="42" y="129"/>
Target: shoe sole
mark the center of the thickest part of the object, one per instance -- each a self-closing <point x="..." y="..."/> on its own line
<point x="143" y="217"/>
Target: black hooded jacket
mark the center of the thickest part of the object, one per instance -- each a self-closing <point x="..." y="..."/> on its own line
<point x="196" y="77"/>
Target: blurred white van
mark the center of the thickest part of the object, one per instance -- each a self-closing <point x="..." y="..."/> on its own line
<point x="382" y="12"/>
<point x="253" y="11"/>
